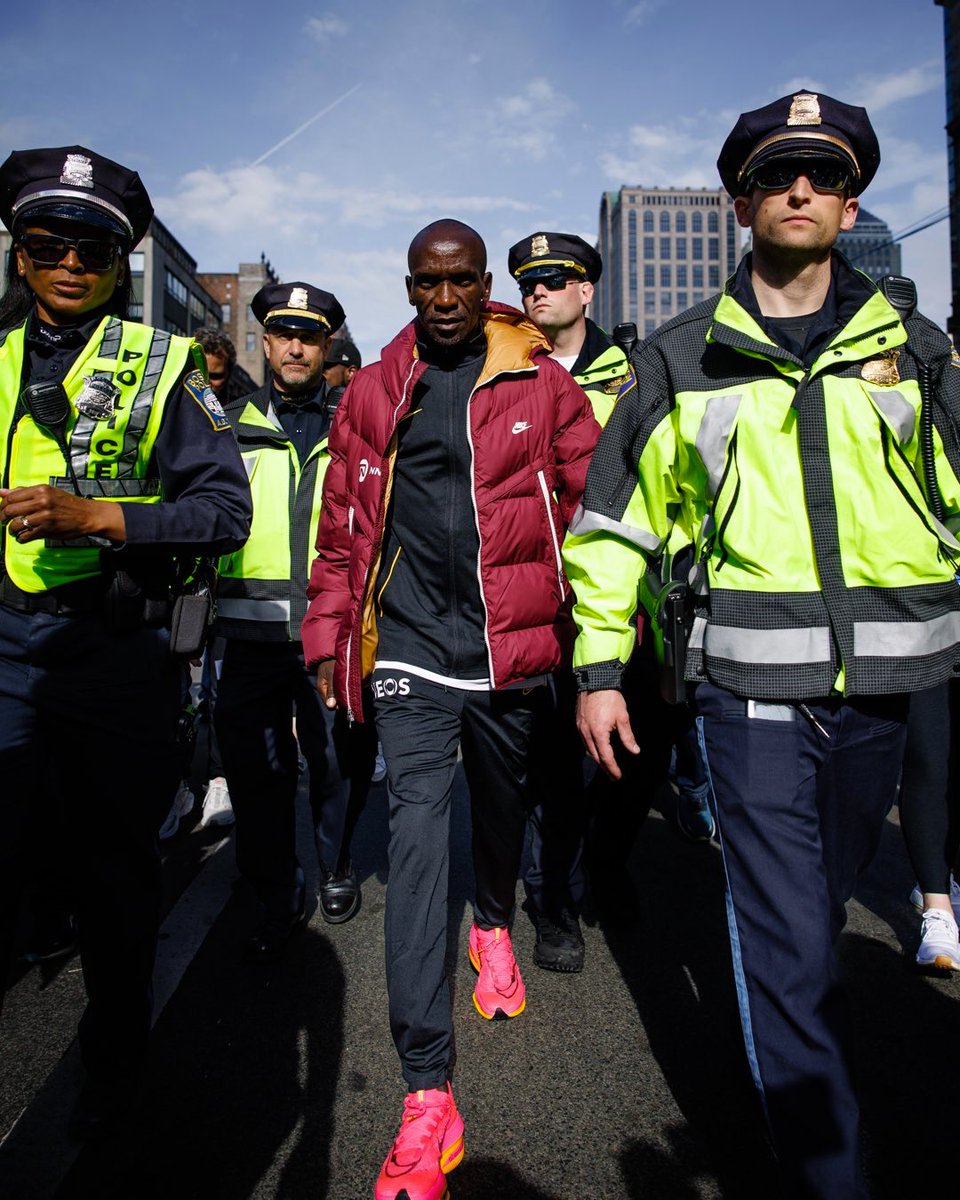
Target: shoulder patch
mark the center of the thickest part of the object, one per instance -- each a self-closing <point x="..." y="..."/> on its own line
<point x="613" y="387"/>
<point x="197" y="387"/>
<point x="954" y="357"/>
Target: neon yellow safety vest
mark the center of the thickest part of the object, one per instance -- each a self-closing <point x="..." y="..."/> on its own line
<point x="263" y="586"/>
<point x="110" y="457"/>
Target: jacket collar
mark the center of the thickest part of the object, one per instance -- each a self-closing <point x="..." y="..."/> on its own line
<point x="863" y="315"/>
<point x="514" y="344"/>
<point x="594" y="344"/>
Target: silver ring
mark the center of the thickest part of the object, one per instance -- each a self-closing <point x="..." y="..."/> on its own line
<point x="25" y="522"/>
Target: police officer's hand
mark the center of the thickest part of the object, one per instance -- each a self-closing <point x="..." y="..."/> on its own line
<point x="49" y="512"/>
<point x="598" y="715"/>
<point x="325" y="683"/>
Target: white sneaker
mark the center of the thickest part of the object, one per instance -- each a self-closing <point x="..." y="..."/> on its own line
<point x="916" y="898"/>
<point x="939" y="942"/>
<point x="379" y="767"/>
<point x="217" y="809"/>
<point x="182" y="804"/>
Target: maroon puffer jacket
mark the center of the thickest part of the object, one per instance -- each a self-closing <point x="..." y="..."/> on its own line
<point x="532" y="432"/>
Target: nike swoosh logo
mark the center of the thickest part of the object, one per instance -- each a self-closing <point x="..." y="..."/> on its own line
<point x="520" y="426"/>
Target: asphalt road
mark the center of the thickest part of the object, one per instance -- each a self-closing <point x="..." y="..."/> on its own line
<point x="626" y="1081"/>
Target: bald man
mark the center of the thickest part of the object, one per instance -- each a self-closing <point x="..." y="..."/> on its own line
<point x="444" y="612"/>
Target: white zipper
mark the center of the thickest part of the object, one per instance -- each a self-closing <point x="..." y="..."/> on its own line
<point x="553" y="533"/>
<point x="350" y="716"/>
<point x="476" y="518"/>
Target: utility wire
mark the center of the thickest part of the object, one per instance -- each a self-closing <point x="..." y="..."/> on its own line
<point x="934" y="219"/>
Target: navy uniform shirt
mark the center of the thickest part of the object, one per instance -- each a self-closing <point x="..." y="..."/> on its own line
<point x="303" y="420"/>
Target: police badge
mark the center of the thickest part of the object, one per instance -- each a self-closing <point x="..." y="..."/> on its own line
<point x="298" y="298"/>
<point x="539" y="246"/>
<point x="805" y="110"/>
<point x="882" y="370"/>
<point x="98" y="399"/>
<point x="77" y="171"/>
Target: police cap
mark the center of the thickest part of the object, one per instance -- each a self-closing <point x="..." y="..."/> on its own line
<point x="545" y="253"/>
<point x="72" y="183"/>
<point x="297" y="306"/>
<point x="342" y="353"/>
<point x="804" y="125"/>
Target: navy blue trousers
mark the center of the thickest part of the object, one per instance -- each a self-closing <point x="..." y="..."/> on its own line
<point x="262" y="685"/>
<point x="799" y="815"/>
<point x="555" y="878"/>
<point x="96" y="714"/>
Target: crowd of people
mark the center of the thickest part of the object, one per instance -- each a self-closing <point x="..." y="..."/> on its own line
<point x="726" y="555"/>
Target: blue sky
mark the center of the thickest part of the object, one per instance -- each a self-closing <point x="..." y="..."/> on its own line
<point x="511" y="116"/>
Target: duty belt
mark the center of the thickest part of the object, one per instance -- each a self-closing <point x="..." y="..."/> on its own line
<point x="84" y="596"/>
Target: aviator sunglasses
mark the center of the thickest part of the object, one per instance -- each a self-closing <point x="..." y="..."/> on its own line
<point x="825" y="175"/>
<point x="48" y="250"/>
<point x="556" y="281"/>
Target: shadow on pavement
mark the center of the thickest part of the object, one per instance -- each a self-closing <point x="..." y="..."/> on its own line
<point x="484" y="1179"/>
<point x="675" y="960"/>
<point x="245" y="1100"/>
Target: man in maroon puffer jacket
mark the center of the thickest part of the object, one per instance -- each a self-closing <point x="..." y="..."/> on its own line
<point x="456" y="464"/>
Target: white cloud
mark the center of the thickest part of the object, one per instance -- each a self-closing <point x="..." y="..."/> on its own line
<point x="638" y="13"/>
<point x="875" y="93"/>
<point x="260" y="199"/>
<point x="322" y="29"/>
<point x="680" y="154"/>
<point x="528" y="122"/>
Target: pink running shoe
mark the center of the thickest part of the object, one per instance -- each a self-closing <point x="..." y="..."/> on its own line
<point x="426" y="1149"/>
<point x="499" y="991"/>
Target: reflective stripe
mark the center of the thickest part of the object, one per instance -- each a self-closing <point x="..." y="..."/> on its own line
<point x="254" y="610"/>
<point x="946" y="536"/>
<point x="905" y="639"/>
<point x="697" y="632"/>
<point x="592" y="522"/>
<point x="811" y="645"/>
<point x="898" y="411"/>
<point x="141" y="409"/>
<point x="713" y="435"/>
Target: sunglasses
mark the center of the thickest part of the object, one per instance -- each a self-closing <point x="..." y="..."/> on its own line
<point x="555" y="282"/>
<point x="825" y="175"/>
<point x="47" y="250"/>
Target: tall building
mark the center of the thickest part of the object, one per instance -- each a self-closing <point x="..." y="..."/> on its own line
<point x="663" y="250"/>
<point x="869" y="248"/>
<point x="166" y="291"/>
<point x="951" y="54"/>
<point x="234" y="293"/>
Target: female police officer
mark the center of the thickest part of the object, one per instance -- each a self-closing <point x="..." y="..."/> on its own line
<point x="116" y="462"/>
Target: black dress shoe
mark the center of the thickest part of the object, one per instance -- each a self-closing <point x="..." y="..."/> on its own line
<point x="559" y="942"/>
<point x="339" y="896"/>
<point x="270" y="940"/>
<point x="50" y="941"/>
<point x="102" y="1111"/>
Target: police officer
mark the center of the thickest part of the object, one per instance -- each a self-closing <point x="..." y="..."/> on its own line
<point x="556" y="273"/>
<point x="343" y="362"/>
<point x="282" y="434"/>
<point x="116" y="461"/>
<point x="781" y="423"/>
